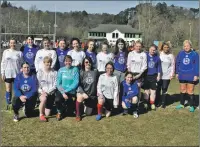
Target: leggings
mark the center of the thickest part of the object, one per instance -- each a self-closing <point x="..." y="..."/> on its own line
<point x="161" y="85"/>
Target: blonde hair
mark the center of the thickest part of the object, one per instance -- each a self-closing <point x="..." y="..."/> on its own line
<point x="187" y="41"/>
<point x="47" y="59"/>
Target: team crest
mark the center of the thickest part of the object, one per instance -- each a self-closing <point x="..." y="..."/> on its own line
<point x="141" y="57"/>
<point x="29" y="55"/>
<point x="89" y="80"/>
<point x="121" y="60"/>
<point x="151" y="64"/>
<point x="186" y="61"/>
<point x="61" y="58"/>
<point x="25" y="87"/>
<point x="25" y="81"/>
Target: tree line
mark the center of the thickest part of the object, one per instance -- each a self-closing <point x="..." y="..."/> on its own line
<point x="157" y="22"/>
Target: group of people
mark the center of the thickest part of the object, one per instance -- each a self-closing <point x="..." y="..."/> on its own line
<point x="70" y="77"/>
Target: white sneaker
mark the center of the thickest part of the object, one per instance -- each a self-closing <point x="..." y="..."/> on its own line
<point x="108" y="113"/>
<point x="16" y="118"/>
<point x="135" y="114"/>
<point x="198" y="107"/>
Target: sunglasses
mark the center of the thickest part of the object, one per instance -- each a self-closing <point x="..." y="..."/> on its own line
<point x="86" y="62"/>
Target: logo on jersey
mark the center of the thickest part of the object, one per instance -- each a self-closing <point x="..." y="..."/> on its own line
<point x="151" y="64"/>
<point x="49" y="54"/>
<point x="41" y="58"/>
<point x="25" y="87"/>
<point x="89" y="80"/>
<point x="121" y="60"/>
<point x="141" y="57"/>
<point x="132" y="60"/>
<point x="186" y="61"/>
<point x="25" y="81"/>
<point x="61" y="58"/>
<point x="29" y="55"/>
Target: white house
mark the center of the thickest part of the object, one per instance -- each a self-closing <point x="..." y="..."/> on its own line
<point x="111" y="32"/>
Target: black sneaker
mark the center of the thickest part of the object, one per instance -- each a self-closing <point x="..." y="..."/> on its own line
<point x="16" y="118"/>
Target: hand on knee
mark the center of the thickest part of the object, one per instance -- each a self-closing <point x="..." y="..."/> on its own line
<point x="47" y="111"/>
<point x="134" y="100"/>
<point x="100" y="101"/>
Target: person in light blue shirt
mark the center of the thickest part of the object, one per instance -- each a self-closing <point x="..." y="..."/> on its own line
<point x="67" y="84"/>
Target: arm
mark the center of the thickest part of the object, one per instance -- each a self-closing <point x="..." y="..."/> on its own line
<point x="59" y="82"/>
<point x="75" y="83"/>
<point x="197" y="64"/>
<point x="116" y="93"/>
<point x="17" y="90"/>
<point x="99" y="90"/>
<point x="159" y="69"/>
<point x="172" y="66"/>
<point x="144" y="64"/>
<point x="53" y="88"/>
<point x="39" y="78"/>
<point x="129" y="62"/>
<point x="37" y="60"/>
<point x="21" y="58"/>
<point x="54" y="58"/>
<point x="80" y="87"/>
<point x="33" y="88"/>
<point x="177" y="63"/>
<point x="3" y="64"/>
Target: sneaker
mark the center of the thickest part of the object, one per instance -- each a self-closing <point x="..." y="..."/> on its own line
<point x="146" y="106"/>
<point x="78" y="118"/>
<point x="163" y="106"/>
<point x="198" y="107"/>
<point x="58" y="116"/>
<point x="191" y="109"/>
<point x="43" y="118"/>
<point x="125" y="112"/>
<point x="179" y="106"/>
<point x="153" y="107"/>
<point x="135" y="114"/>
<point x="108" y="113"/>
<point x="16" y="118"/>
<point x="98" y="117"/>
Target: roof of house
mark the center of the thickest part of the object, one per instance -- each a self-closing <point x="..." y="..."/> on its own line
<point x="107" y="28"/>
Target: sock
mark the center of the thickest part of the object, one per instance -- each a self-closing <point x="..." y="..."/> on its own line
<point x="191" y="102"/>
<point x="58" y="111"/>
<point x="151" y="102"/>
<point x="182" y="99"/>
<point x="134" y="107"/>
<point x="77" y="108"/>
<point x="163" y="99"/>
<point x="99" y="108"/>
<point x="8" y="97"/>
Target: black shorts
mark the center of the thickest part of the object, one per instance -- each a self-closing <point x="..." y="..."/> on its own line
<point x="150" y="82"/>
<point x="188" y="82"/>
<point x="9" y="80"/>
<point x="50" y="101"/>
<point x="91" y="102"/>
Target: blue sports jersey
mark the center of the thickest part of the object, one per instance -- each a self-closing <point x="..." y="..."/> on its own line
<point x="128" y="91"/>
<point x="25" y="86"/>
<point x="187" y="65"/>
<point x="153" y="64"/>
<point x="29" y="55"/>
<point x="120" y="61"/>
<point x="92" y="55"/>
<point x="61" y="55"/>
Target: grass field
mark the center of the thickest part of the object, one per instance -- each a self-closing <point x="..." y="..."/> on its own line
<point x="167" y="127"/>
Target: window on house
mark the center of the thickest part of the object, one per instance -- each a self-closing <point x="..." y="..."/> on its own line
<point x="117" y="35"/>
<point x="136" y="35"/>
<point x="104" y="34"/>
<point x="113" y="35"/>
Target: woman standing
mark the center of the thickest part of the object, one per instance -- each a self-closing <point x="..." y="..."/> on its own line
<point x="90" y="52"/>
<point x="152" y="76"/>
<point x="46" y="51"/>
<point x="167" y="73"/>
<point x="76" y="54"/>
<point x="87" y="91"/>
<point x="29" y="52"/>
<point x="25" y="89"/>
<point x="107" y="91"/>
<point x="187" y="72"/>
<point x="120" y="59"/>
<point x="61" y="52"/>
<point x="137" y="64"/>
<point x="47" y="88"/>
<point x="67" y="84"/>
<point x="10" y="67"/>
<point x="129" y="92"/>
<point x="103" y="58"/>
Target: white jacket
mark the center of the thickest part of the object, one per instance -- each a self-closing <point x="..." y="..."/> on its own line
<point x="103" y="59"/>
<point x="40" y="56"/>
<point x="77" y="57"/>
<point x="11" y="63"/>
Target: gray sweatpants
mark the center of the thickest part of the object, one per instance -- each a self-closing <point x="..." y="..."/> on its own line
<point x="120" y="75"/>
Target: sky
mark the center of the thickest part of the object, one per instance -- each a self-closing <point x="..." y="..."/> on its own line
<point x="112" y="7"/>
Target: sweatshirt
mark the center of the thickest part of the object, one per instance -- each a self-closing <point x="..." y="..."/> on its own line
<point x="46" y="81"/>
<point x="137" y="62"/>
<point x="167" y="65"/>
<point x="154" y="64"/>
<point x="11" y="63"/>
<point x="68" y="80"/>
<point x="39" y="64"/>
<point x="120" y="61"/>
<point x="77" y="57"/>
<point x="29" y="54"/>
<point x="88" y="83"/>
<point x="108" y="87"/>
<point x="25" y="86"/>
<point x="60" y="57"/>
<point x="103" y="59"/>
<point x="187" y="65"/>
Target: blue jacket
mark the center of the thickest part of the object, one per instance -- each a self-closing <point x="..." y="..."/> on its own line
<point x="25" y="86"/>
<point x="153" y="64"/>
<point x="120" y="61"/>
<point x="187" y="65"/>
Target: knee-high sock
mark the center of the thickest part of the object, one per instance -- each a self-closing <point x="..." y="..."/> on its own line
<point x="182" y="98"/>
